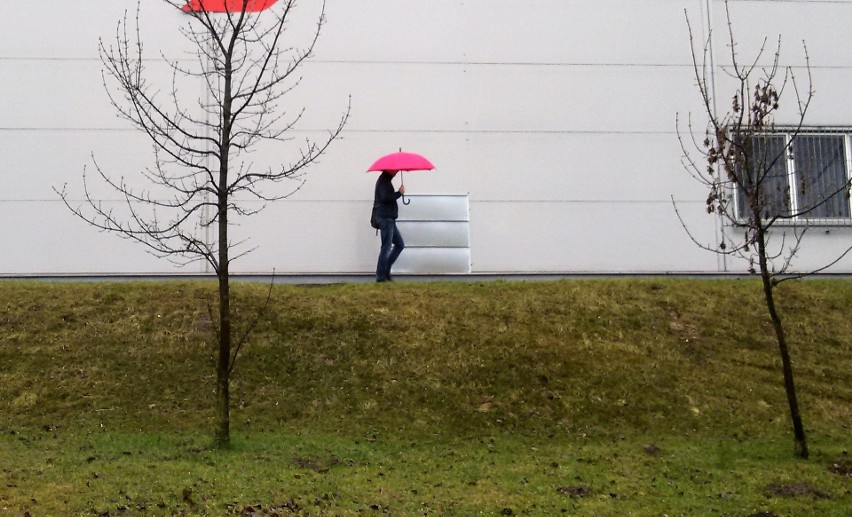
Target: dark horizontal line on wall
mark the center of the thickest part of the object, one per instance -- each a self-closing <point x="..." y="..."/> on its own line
<point x="518" y="131"/>
<point x="546" y="64"/>
<point x="555" y="64"/>
<point x="81" y="129"/>
<point x="369" y="277"/>
<point x="666" y="201"/>
<point x="70" y="59"/>
<point x="417" y="131"/>
<point x="412" y="247"/>
<point x="442" y="221"/>
<point x="390" y="62"/>
<point x="797" y="1"/>
<point x="472" y="201"/>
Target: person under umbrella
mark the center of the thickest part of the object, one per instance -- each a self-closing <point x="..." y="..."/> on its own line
<point x="387" y="211"/>
<point x="386" y="208"/>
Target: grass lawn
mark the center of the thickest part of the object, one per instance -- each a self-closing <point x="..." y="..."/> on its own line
<point x="574" y="397"/>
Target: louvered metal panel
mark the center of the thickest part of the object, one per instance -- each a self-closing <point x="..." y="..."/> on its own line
<point x="436" y="229"/>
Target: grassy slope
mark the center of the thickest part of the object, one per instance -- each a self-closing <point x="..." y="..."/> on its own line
<point x="606" y="364"/>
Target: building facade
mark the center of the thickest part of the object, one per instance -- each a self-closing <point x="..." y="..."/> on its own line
<point x="551" y="124"/>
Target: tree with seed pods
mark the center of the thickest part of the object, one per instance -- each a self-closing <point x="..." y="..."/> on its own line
<point x="742" y="166"/>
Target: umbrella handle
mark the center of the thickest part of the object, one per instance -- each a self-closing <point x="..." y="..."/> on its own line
<point x="402" y="182"/>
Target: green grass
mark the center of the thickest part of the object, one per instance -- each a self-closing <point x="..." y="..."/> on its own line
<point x="410" y="399"/>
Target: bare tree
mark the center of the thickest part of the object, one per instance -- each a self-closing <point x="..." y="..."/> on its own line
<point x="743" y="164"/>
<point x="201" y="174"/>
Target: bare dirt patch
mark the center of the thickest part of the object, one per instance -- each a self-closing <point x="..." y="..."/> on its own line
<point x="319" y="465"/>
<point x="795" y="490"/>
<point x="575" y="491"/>
<point x="842" y="466"/>
<point x="683" y="327"/>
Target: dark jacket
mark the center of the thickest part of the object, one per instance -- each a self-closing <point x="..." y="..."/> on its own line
<point x="385" y="197"/>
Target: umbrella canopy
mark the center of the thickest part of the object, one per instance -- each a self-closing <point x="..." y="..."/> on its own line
<point x="231" y="6"/>
<point x="402" y="161"/>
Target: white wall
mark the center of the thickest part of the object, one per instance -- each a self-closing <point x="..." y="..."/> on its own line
<point x="556" y="117"/>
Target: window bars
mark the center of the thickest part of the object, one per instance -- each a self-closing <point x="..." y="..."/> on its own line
<point x="802" y="181"/>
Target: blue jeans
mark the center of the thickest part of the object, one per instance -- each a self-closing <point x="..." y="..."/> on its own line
<point x="392" y="246"/>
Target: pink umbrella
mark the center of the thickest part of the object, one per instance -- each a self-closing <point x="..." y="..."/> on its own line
<point x="402" y="161"/>
<point x="231" y="6"/>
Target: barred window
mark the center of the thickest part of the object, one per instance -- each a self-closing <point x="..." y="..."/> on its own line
<point x="819" y="163"/>
<point x="767" y="168"/>
<point x="806" y="184"/>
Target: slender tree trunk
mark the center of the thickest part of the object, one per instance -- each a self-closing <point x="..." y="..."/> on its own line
<point x="223" y="397"/>
<point x="223" y="368"/>
<point x="801" y="446"/>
